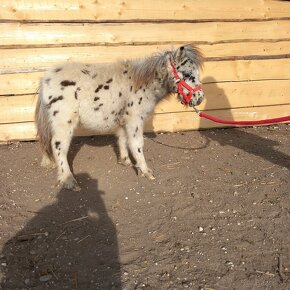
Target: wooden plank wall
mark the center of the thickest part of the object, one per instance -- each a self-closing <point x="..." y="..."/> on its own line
<point x="246" y="43"/>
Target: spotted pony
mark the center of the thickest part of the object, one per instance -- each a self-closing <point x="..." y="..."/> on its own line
<point x="115" y="97"/>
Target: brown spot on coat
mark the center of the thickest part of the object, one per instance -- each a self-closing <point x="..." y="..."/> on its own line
<point x="54" y="100"/>
<point x="98" y="88"/>
<point x="184" y="62"/>
<point x="68" y="83"/>
<point x="85" y="71"/>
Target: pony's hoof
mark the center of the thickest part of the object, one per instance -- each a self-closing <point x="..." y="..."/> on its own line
<point x="125" y="161"/>
<point x="148" y="174"/>
<point x="71" y="184"/>
<point x="47" y="163"/>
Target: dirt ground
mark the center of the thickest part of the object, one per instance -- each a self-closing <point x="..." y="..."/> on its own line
<point x="216" y="217"/>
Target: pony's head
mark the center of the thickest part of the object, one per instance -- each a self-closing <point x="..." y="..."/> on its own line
<point x="187" y="61"/>
<point x="184" y="64"/>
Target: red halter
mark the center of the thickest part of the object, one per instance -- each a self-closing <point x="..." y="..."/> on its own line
<point x="181" y="84"/>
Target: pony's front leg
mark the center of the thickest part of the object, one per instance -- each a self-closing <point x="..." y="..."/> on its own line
<point x="136" y="143"/>
<point x="60" y="144"/>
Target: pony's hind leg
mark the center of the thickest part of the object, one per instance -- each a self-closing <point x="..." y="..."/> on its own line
<point x="60" y="143"/>
<point x="123" y="158"/>
<point x="134" y="132"/>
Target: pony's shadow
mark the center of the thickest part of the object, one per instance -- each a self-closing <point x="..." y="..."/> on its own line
<point x="95" y="141"/>
<point x="92" y="141"/>
<point x="70" y="244"/>
<point x="244" y="140"/>
<point x="105" y="140"/>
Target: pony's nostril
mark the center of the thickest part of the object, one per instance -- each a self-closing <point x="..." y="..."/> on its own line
<point x="199" y="101"/>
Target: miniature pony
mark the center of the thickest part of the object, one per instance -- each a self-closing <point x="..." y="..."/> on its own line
<point x="108" y="97"/>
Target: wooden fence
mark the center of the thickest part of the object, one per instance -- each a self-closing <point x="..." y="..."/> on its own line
<point x="246" y="43"/>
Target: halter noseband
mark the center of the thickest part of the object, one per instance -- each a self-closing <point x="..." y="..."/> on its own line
<point x="181" y="84"/>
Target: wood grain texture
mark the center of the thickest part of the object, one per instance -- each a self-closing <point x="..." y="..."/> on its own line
<point x="226" y="95"/>
<point x="115" y="10"/>
<point x="172" y="122"/>
<point x="15" y="34"/>
<point x="32" y="59"/>
<point x="213" y="72"/>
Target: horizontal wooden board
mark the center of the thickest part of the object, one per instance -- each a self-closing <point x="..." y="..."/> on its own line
<point x="31" y="59"/>
<point x="17" y="108"/>
<point x="216" y="71"/>
<point x="17" y="132"/>
<point x="171" y="122"/>
<point x="184" y="121"/>
<point x="104" y="10"/>
<point x="21" y="83"/>
<point x="218" y="96"/>
<point x="13" y="34"/>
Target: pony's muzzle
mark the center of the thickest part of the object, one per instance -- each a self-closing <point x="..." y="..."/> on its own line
<point x="198" y="98"/>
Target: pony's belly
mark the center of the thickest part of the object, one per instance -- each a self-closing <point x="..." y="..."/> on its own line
<point x="97" y="121"/>
<point x="100" y="116"/>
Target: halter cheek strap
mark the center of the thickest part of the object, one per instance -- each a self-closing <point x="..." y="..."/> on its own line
<point x="181" y="85"/>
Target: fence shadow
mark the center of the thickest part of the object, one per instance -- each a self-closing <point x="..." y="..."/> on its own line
<point x="248" y="142"/>
<point x="70" y="244"/>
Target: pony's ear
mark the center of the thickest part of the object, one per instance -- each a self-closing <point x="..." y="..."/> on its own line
<point x="179" y="54"/>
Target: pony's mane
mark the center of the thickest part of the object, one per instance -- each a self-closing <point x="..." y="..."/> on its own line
<point x="143" y="70"/>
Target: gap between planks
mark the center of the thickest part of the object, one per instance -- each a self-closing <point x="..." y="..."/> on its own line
<point x="206" y="59"/>
<point x="150" y="21"/>
<point x="140" y="43"/>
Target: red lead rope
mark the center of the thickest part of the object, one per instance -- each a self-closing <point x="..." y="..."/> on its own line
<point x="243" y="123"/>
<point x="187" y="97"/>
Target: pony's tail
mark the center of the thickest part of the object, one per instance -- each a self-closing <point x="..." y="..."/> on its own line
<point x="43" y="126"/>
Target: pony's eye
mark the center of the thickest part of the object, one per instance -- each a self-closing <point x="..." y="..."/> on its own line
<point x="192" y="79"/>
<point x="186" y="75"/>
